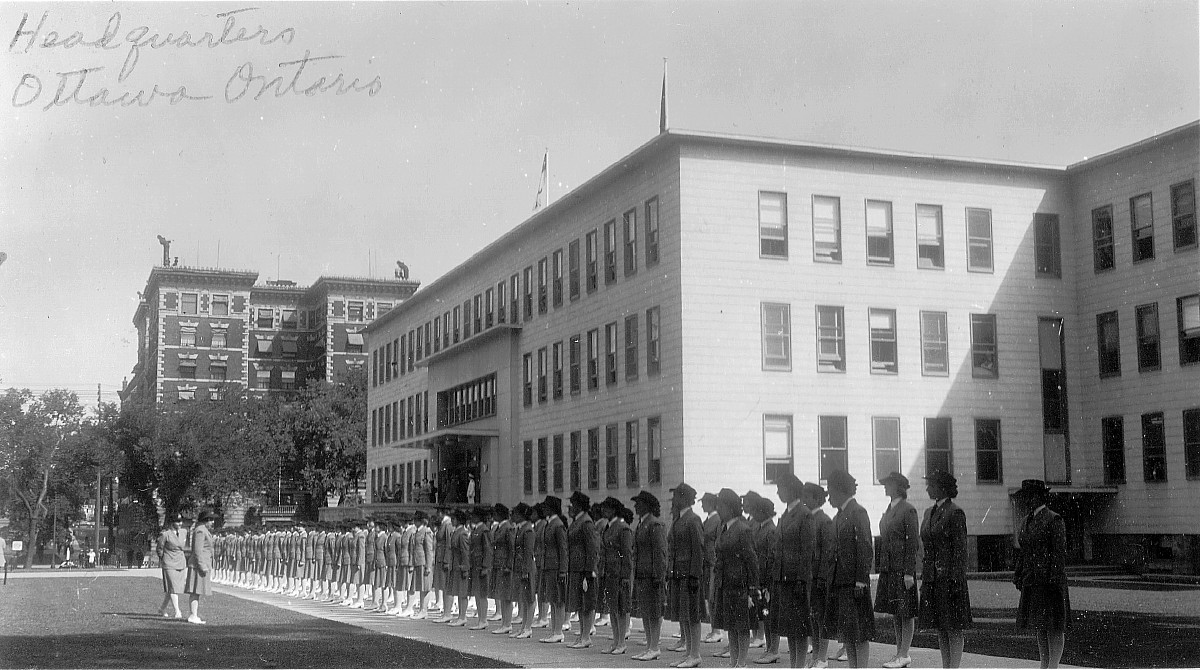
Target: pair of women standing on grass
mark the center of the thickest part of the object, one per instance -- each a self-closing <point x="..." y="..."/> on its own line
<point x="174" y="559"/>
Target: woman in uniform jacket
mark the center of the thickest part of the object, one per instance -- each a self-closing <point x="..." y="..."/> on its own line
<point x="524" y="570"/>
<point x="618" y="570"/>
<point x="849" y="611"/>
<point x="791" y="573"/>
<point x="459" y="582"/>
<point x="554" y="568"/>
<point x="601" y="599"/>
<point x="766" y="546"/>
<point x="649" y="571"/>
<point x="685" y="572"/>
<point x="481" y="563"/>
<point x="899" y="534"/>
<point x="503" y="543"/>
<point x="200" y="565"/>
<point x="1045" y="604"/>
<point x="945" y="601"/>
<point x="423" y="552"/>
<point x="735" y="578"/>
<point x="542" y="611"/>
<point x="583" y="546"/>
<point x="441" y="560"/>
<point x="172" y="557"/>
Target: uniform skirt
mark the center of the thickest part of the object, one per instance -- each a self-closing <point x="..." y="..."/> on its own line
<point x="173" y="580"/>
<point x="197" y="584"/>
<point x="618" y="596"/>
<point x="522" y="588"/>
<point x="945" y="605"/>
<point x="1044" y="607"/>
<point x="818" y="602"/>
<point x="579" y="600"/>
<point x="553" y="589"/>
<point x="893" y="597"/>
<point x="421" y="581"/>
<point x="457" y="583"/>
<point x="648" y="598"/>
<point x="849" y="614"/>
<point x="602" y="606"/>
<point x="439" y="577"/>
<point x="685" y="602"/>
<point x="479" y="587"/>
<point x="403" y="577"/>
<point x="731" y="608"/>
<point x="790" y="611"/>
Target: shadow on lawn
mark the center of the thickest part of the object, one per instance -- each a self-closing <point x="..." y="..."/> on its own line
<point x="176" y="644"/>
<point x="1094" y="639"/>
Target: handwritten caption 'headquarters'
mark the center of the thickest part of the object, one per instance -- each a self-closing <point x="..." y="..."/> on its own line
<point x="95" y="85"/>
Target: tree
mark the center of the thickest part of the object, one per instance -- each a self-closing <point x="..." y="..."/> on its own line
<point x="35" y="432"/>
<point x="327" y="424"/>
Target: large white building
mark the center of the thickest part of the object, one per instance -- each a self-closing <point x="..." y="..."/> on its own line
<point x="716" y="309"/>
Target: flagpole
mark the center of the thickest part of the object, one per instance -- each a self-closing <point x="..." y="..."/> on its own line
<point x="547" y="176"/>
<point x="662" y="110"/>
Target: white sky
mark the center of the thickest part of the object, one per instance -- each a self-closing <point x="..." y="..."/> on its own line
<point x="446" y="157"/>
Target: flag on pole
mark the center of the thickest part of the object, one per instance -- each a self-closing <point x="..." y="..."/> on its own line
<point x="662" y="110"/>
<point x="543" y="192"/>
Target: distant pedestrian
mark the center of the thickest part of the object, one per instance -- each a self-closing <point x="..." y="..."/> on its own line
<point x="199" y="582"/>
<point x="1041" y="576"/>
<point x="172" y="558"/>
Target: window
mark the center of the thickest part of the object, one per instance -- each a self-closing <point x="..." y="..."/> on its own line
<point x="290" y="347"/>
<point x="1056" y="456"/>
<point x="218" y="370"/>
<point x="445" y="334"/>
<point x="1191" y="442"/>
<point x="573" y="270"/>
<point x="938" y="453"/>
<point x="466" y="322"/>
<point x="187" y="394"/>
<point x="266" y="318"/>
<point x="931" y="252"/>
<point x="1108" y="344"/>
<point x="831" y="339"/>
<point x="514" y="284"/>
<point x="611" y="456"/>
<point x="575" y="362"/>
<point x="541" y="374"/>
<point x="263" y="378"/>
<point x="437" y="332"/>
<point x="190" y="303"/>
<point x="557" y="359"/>
<point x="215" y="393"/>
<point x="489" y="307"/>
<point x="542" y="456"/>
<point x="187" y="369"/>
<point x="354" y="310"/>
<point x="827" y="229"/>
<point x="1154" y="448"/>
<point x="988" y="461"/>
<point x="631" y="347"/>
<point x="610" y="252"/>
<point x="288" y="380"/>
<point x="558" y="463"/>
<point x="979" y="240"/>
<point x="1141" y="223"/>
<point x="772" y="225"/>
<point x="288" y="320"/>
<point x="527" y="449"/>
<point x="263" y="344"/>
<point x="501" y="303"/>
<point x="776" y="336"/>
<point x="543" y="290"/>
<point x="1146" y="317"/>
<point x="652" y="232"/>
<point x="187" y="337"/>
<point x="593" y="356"/>
<point x="456" y="327"/>
<point x="1103" y="257"/>
<point x="654" y="450"/>
<point x="832" y="436"/>
<point x="777" y="446"/>
<point x="985" y="356"/>
<point x="883" y="341"/>
<point x="528" y="293"/>
<point x="220" y="339"/>
<point x="1047" y="254"/>
<point x="629" y="223"/>
<point x="1188" y="315"/>
<point x="1183" y="214"/>
<point x="880" y="243"/>
<point x="527" y="381"/>
<point x="653" y="355"/>
<point x="576" y="460"/>
<point x="220" y="305"/>
<point x="593" y="267"/>
<point x="593" y="458"/>
<point x="935" y="345"/>
<point x="556" y="271"/>
<point x="610" y="351"/>
<point x="632" y="454"/>
<point x="1112" y="437"/>
<point x="885" y="439"/>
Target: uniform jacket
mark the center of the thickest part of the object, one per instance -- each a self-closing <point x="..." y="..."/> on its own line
<point x="441" y="552"/>
<point x="601" y="526"/>
<point x="373" y="537"/>
<point x="1043" y="550"/>
<point x="766" y="546"/>
<point x="539" y="543"/>
<point x="736" y="563"/>
<point x="797" y="546"/>
<point x="944" y="535"/>
<point x="503" y="539"/>
<point x="310" y="545"/>
<point x="853" y="545"/>
<point x="460" y="550"/>
<point x="554" y="558"/>
<point x="202" y="549"/>
<point x="900" y="542"/>
<point x="404" y="551"/>
<point x="481" y="547"/>
<point x="360" y="549"/>
<point x="583" y="543"/>
<point x="172" y="549"/>
<point x="618" y="550"/>
<point x="523" y="547"/>
<point x="712" y="530"/>
<point x="650" y="549"/>
<point x="391" y="549"/>
<point x="823" y="552"/>
<point x="685" y="547"/>
<point x="422" y="549"/>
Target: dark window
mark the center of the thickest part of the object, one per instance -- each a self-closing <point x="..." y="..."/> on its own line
<point x="501" y="303"/>
<point x="489" y="306"/>
<point x="1147" y="337"/>
<point x="1183" y="214"/>
<point x="527" y="448"/>
<point x="514" y="305"/>
<point x="1141" y="223"/>
<point x="938" y="452"/>
<point x="556" y="272"/>
<point x="593" y="458"/>
<point x="632" y="454"/>
<point x="985" y="357"/>
<point x="1103" y="257"/>
<point x="575" y="363"/>
<point x="931" y="244"/>
<point x="631" y="347"/>
<point x="1108" y="344"/>
<point x="529" y="293"/>
<point x="187" y="369"/>
<point x="542" y="456"/>
<point x="558" y="463"/>
<point x="653" y="450"/>
<point x="557" y="360"/>
<point x="831" y="339"/>
<point x="612" y="456"/>
<point x="653" y="354"/>
<point x="457" y="316"/>
<point x="989" y="464"/>
<point x="1191" y="442"/>
<point x="883" y="341"/>
<point x="885" y="437"/>
<point x="220" y="305"/>
<point x="593" y="359"/>
<point x="573" y="270"/>
<point x="541" y="375"/>
<point x="289" y="321"/>
<point x="610" y="350"/>
<point x="629" y="223"/>
<point x="776" y="336"/>
<point x="527" y="381"/>
<point x="266" y="318"/>
<point x="1047" y="250"/>
<point x="191" y="304"/>
<point x="1112" y="437"/>
<point x="832" y="436"/>
<point x="354" y="311"/>
<point x="593" y="266"/>
<point x="1154" y="447"/>
<point x="576" y="460"/>
<point x="979" y="240"/>
<point x="935" y="345"/>
<point x="651" y="232"/>
<point x="610" y="252"/>
<point x="543" y="279"/>
<point x="772" y="225"/>
<point x="1187" y="312"/>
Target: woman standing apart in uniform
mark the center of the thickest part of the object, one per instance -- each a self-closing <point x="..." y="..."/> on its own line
<point x="945" y="602"/>
<point x="199" y="578"/>
<point x="1041" y="575"/>
<point x="173" y="559"/>
<point x="850" y="612"/>
<point x="897" y="591"/>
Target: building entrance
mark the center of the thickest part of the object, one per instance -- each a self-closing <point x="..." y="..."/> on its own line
<point x="458" y="463"/>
